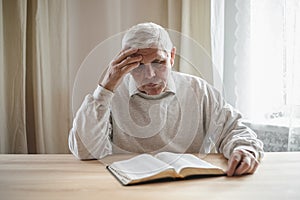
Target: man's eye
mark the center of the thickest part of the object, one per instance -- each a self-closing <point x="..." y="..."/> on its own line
<point x="139" y="68"/>
<point x="159" y="61"/>
<point x="158" y="65"/>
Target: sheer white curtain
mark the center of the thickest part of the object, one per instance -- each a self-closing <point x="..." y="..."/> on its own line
<point x="261" y="65"/>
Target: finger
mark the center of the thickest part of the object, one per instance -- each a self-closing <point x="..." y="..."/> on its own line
<point x="123" y="54"/>
<point x="130" y="67"/>
<point x="233" y="162"/>
<point x="253" y="161"/>
<point x="129" y="60"/>
<point x="244" y="166"/>
<point x="254" y="166"/>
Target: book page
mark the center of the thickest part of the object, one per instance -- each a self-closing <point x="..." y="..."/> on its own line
<point x="139" y="167"/>
<point x="181" y="161"/>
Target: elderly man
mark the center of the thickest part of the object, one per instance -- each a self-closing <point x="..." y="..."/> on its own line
<point x="141" y="105"/>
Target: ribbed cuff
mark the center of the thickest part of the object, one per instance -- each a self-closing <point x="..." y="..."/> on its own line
<point x="102" y="94"/>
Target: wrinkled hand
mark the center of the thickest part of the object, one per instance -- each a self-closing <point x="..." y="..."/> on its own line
<point x="122" y="64"/>
<point x="241" y="162"/>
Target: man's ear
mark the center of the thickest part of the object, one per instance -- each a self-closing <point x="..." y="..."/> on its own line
<point x="173" y="53"/>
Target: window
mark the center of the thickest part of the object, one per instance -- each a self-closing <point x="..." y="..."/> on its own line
<point x="260" y="65"/>
<point x="274" y="61"/>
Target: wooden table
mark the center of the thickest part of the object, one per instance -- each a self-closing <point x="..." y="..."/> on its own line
<point x="64" y="177"/>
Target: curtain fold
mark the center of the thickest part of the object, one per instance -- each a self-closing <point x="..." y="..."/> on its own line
<point x="217" y="42"/>
<point x="196" y="51"/>
<point x="50" y="80"/>
<point x="13" y="72"/>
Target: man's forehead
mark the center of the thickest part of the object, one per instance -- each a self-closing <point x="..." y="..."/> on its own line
<point x="152" y="52"/>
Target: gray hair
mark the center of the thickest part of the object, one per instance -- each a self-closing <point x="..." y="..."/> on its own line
<point x="147" y="35"/>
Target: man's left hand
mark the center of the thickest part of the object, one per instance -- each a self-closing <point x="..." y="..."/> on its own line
<point x="241" y="162"/>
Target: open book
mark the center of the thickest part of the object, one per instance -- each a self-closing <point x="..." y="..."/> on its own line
<point x="146" y="167"/>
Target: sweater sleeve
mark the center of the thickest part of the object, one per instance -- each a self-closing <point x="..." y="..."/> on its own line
<point x="226" y="130"/>
<point x="89" y="137"/>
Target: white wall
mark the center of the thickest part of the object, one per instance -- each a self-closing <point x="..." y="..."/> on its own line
<point x="93" y="21"/>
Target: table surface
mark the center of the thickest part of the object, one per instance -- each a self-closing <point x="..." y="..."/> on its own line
<point x="64" y="177"/>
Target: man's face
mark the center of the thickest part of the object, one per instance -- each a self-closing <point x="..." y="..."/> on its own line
<point x="152" y="74"/>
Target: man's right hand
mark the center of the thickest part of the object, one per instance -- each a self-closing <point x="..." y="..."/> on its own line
<point x="122" y="64"/>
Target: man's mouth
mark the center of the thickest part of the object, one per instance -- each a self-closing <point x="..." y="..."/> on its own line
<point x="151" y="85"/>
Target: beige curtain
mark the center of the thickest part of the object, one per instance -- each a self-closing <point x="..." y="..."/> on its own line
<point x="34" y="97"/>
<point x="195" y="23"/>
<point x="44" y="42"/>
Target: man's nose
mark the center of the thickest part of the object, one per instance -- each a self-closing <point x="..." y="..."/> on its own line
<point x="149" y="72"/>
